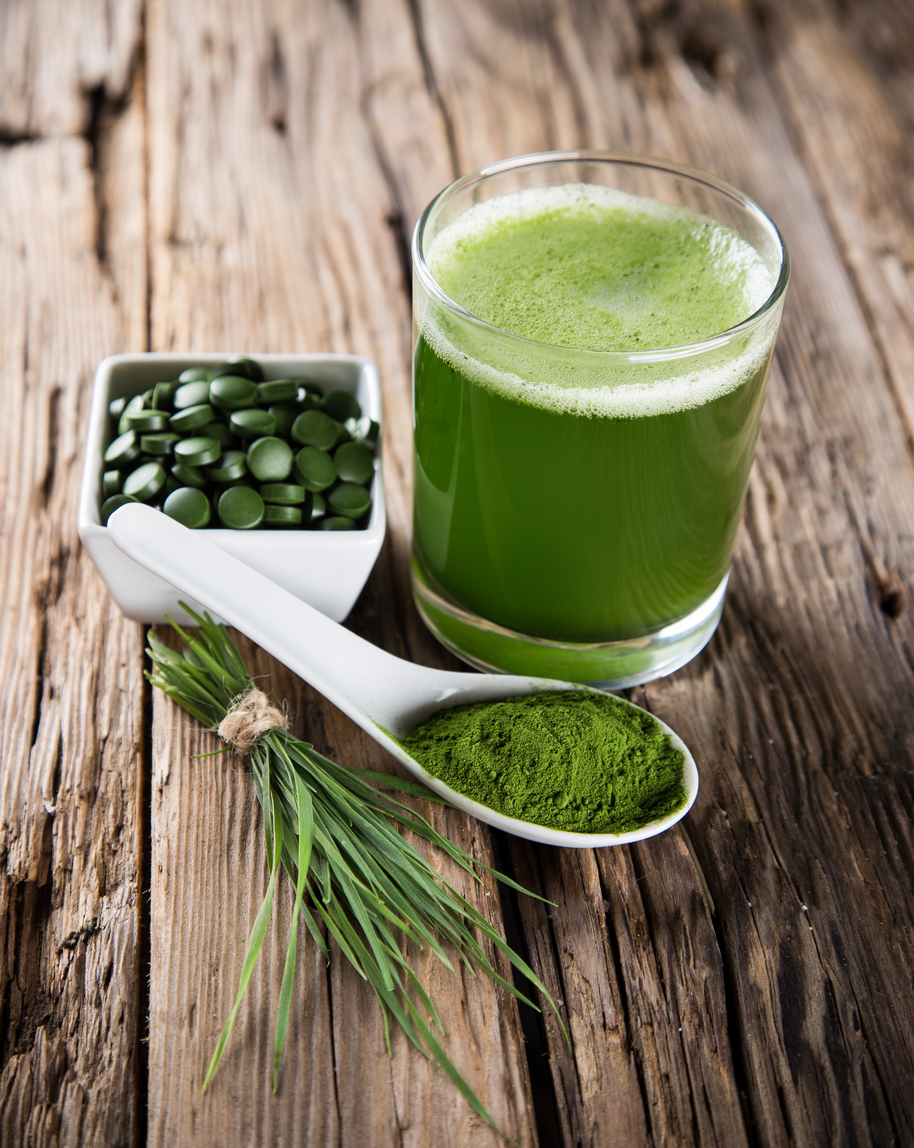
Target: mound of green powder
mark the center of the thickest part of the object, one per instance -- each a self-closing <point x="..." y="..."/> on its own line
<point x="570" y="760"/>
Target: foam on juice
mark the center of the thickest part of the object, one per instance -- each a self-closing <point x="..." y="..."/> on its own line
<point x="593" y="269"/>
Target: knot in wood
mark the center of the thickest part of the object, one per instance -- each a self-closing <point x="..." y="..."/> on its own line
<point x="251" y="716"/>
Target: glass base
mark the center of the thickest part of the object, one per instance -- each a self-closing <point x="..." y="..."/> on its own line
<point x="608" y="665"/>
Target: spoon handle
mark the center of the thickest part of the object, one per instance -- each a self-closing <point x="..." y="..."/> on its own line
<point x="362" y="680"/>
<point x="370" y="686"/>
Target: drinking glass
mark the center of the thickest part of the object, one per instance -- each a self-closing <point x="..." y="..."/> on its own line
<point x="575" y="510"/>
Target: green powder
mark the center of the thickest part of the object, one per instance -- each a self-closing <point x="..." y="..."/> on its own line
<point x="569" y="760"/>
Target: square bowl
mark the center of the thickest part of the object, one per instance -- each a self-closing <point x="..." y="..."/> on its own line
<point x="325" y="568"/>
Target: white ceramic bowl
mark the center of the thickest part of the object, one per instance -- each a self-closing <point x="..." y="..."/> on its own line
<point x="326" y="569"/>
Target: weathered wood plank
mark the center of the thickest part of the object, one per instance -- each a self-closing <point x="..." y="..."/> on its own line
<point x="277" y="223"/>
<point x="208" y="877"/>
<point x="630" y="949"/>
<point x="71" y="720"/>
<point x="292" y="147"/>
<point x="59" y="59"/>
<point x="845" y="82"/>
<point x="207" y="882"/>
<point x="800" y="812"/>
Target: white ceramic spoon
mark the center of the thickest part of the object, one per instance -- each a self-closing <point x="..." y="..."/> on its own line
<point x="379" y="691"/>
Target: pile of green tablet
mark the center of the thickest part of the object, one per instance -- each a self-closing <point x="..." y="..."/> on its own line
<point x="220" y="446"/>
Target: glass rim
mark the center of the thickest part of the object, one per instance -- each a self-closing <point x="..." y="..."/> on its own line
<point x="632" y="159"/>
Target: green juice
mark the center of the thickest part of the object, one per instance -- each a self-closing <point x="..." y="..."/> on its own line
<point x="568" y="486"/>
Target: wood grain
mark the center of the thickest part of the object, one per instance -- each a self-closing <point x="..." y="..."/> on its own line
<point x="236" y="176"/>
<point x="71" y="715"/>
<point x="820" y="553"/>
<point x="284" y="231"/>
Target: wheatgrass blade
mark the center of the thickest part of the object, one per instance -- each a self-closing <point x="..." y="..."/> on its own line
<point x="326" y="910"/>
<point x="444" y="1062"/>
<point x="305" y="826"/>
<point x="316" y="935"/>
<point x="422" y="828"/>
<point x="415" y="788"/>
<point x="355" y="875"/>
<point x="381" y="886"/>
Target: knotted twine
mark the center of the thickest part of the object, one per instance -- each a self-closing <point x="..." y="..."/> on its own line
<point x="249" y="717"/>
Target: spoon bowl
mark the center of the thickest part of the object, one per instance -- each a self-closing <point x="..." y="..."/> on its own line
<point x="383" y="694"/>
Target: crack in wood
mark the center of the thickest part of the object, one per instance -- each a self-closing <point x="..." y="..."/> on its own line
<point x="11" y="139"/>
<point x="274" y="83"/>
<point x="678" y="27"/>
<point x="883" y="1126"/>
<point x="742" y="1074"/>
<point x="884" y="584"/>
<point x="103" y="110"/>
<point x="53" y="424"/>
<point x="396" y="217"/>
<point x="699" y="869"/>
<point x="83" y="933"/>
<point x="633" y="1045"/>
<point x="143" y="951"/>
<point x="432" y="87"/>
<point x="25" y="1005"/>
<point x="40" y="655"/>
<point x="712" y="60"/>
<point x="331" y="1026"/>
<point x="396" y="223"/>
<point x="94" y="135"/>
<point x="536" y="1040"/>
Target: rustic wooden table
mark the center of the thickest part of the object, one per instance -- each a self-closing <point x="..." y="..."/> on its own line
<point x="244" y="175"/>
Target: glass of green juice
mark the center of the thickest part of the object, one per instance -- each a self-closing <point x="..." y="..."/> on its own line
<point x="593" y="332"/>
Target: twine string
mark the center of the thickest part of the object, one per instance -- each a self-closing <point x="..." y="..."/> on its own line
<point x="251" y="716"/>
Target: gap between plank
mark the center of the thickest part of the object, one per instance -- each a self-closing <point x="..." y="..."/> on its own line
<point x="536" y="1046"/>
<point x="144" y="915"/>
